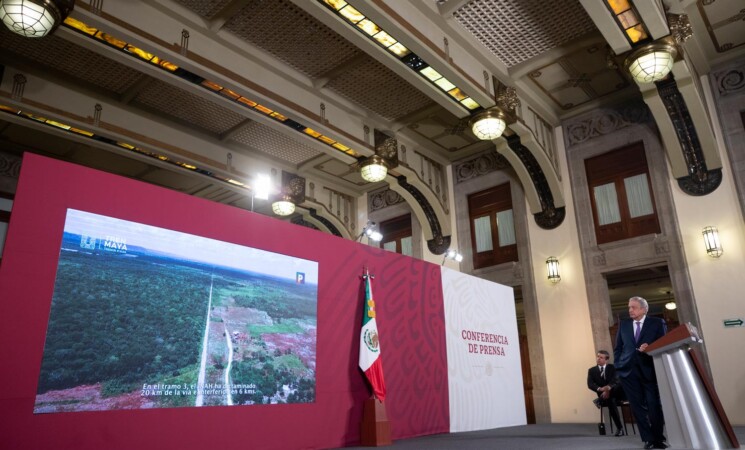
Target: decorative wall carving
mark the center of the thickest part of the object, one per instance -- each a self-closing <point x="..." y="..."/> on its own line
<point x="661" y="247"/>
<point x="517" y="271"/>
<point x="479" y="166"/>
<point x="10" y="166"/>
<point x="730" y="82"/>
<point x="605" y="122"/>
<point x="599" y="260"/>
<point x="383" y="199"/>
<point x="680" y="27"/>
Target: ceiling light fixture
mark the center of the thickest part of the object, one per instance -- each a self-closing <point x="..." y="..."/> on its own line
<point x="489" y="124"/>
<point x="284" y="206"/>
<point x="373" y="169"/>
<point x="651" y="62"/>
<point x="34" y="18"/>
<point x="670" y="306"/>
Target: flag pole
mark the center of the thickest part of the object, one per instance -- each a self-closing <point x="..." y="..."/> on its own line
<point x="375" y="425"/>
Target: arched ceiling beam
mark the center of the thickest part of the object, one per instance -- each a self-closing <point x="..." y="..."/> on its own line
<point x="537" y="175"/>
<point x="324" y="219"/>
<point x="686" y="130"/>
<point x="428" y="210"/>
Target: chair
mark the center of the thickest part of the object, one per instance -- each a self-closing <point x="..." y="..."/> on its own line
<point x="626" y="415"/>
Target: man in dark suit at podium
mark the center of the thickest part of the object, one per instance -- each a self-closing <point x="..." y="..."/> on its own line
<point x="636" y="370"/>
<point x="602" y="380"/>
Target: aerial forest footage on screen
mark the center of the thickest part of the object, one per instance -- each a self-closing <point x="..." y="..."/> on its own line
<point x="144" y="317"/>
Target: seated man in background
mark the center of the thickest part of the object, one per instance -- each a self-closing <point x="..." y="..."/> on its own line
<point x="602" y="380"/>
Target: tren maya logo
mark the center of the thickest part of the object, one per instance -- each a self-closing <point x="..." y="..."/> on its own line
<point x="371" y="340"/>
<point x="114" y="244"/>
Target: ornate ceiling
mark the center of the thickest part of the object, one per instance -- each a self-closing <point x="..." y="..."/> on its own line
<point x="304" y="63"/>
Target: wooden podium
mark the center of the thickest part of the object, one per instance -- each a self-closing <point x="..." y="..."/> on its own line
<point x="694" y="417"/>
<point x="376" y="430"/>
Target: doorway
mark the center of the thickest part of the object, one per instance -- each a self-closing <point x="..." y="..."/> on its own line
<point x="651" y="283"/>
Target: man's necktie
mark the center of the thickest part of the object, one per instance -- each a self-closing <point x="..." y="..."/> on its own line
<point x="602" y="372"/>
<point x="638" y="331"/>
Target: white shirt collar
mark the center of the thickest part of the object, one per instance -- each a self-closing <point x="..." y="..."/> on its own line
<point x="642" y="320"/>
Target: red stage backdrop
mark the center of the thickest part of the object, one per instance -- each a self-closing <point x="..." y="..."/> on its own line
<point x="408" y="295"/>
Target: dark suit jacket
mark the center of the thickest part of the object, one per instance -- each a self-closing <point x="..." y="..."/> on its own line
<point x="625" y="353"/>
<point x="594" y="381"/>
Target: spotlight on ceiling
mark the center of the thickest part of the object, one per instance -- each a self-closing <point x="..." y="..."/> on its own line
<point x="373" y="169"/>
<point x="489" y="124"/>
<point x="652" y="62"/>
<point x="34" y="18"/>
<point x="284" y="206"/>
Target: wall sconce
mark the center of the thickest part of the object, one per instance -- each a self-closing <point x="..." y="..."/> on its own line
<point x="371" y="233"/>
<point x="489" y="124"/>
<point x="711" y="241"/>
<point x="452" y="254"/>
<point x="651" y="62"/>
<point x="552" y="266"/>
<point x="284" y="206"/>
<point x="373" y="169"/>
<point x="34" y="18"/>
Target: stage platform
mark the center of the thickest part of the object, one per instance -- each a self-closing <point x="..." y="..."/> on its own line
<point x="538" y="437"/>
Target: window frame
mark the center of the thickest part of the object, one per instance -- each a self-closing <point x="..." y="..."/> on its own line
<point x="615" y="167"/>
<point x="396" y="229"/>
<point x="490" y="202"/>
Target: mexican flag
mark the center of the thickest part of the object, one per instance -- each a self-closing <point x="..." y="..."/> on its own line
<point x="370" y="361"/>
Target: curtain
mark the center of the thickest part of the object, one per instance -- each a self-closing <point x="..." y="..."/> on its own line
<point x="406" y="246"/>
<point x="482" y="230"/>
<point x="506" y="228"/>
<point x="637" y="193"/>
<point x="606" y="203"/>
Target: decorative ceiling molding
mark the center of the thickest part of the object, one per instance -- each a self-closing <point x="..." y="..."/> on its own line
<point x="579" y="77"/>
<point x="723" y="20"/>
